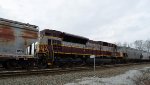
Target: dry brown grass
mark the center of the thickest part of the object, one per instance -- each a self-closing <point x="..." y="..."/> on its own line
<point x="146" y="82"/>
<point x="143" y="79"/>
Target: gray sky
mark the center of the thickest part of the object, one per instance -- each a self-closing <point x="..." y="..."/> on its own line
<point x="101" y="20"/>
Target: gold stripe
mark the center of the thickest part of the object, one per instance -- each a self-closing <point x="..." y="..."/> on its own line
<point x="79" y="54"/>
<point x="81" y="48"/>
<point x="77" y="47"/>
<point x="71" y="53"/>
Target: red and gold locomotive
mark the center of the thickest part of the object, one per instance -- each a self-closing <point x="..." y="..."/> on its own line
<point x="61" y="48"/>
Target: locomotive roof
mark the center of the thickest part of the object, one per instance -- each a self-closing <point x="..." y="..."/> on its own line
<point x="110" y="44"/>
<point x="65" y="36"/>
<point x="76" y="36"/>
<point x="72" y="37"/>
<point x="49" y="30"/>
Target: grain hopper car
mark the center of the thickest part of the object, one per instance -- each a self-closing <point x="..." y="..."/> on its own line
<point x="16" y="40"/>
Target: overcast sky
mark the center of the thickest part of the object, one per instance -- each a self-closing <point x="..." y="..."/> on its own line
<point x="100" y="20"/>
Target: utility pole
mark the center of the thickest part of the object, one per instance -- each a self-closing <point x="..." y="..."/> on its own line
<point x="93" y="56"/>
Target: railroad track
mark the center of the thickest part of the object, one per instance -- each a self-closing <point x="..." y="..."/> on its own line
<point x="39" y="71"/>
<point x="55" y="71"/>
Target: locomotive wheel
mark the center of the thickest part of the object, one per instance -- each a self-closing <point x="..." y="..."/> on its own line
<point x="42" y="63"/>
<point x="11" y="64"/>
<point x="27" y="64"/>
<point x="24" y="66"/>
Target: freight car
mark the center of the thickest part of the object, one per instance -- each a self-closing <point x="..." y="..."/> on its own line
<point x="145" y="56"/>
<point x="134" y="55"/>
<point x="15" y="37"/>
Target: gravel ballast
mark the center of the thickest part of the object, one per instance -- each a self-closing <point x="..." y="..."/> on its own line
<point x="67" y="77"/>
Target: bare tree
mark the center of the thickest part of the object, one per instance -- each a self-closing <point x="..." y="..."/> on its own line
<point x="118" y="43"/>
<point x="139" y="44"/>
<point x="147" y="45"/>
<point x="130" y="45"/>
<point x="125" y="44"/>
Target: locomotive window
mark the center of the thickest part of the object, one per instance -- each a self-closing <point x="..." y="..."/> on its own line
<point x="105" y="44"/>
<point x="53" y="33"/>
<point x="74" y="38"/>
<point x="56" y="42"/>
<point x="50" y="41"/>
<point x="48" y="32"/>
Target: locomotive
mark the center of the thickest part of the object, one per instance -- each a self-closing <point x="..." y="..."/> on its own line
<point x="61" y="48"/>
<point x="23" y="45"/>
